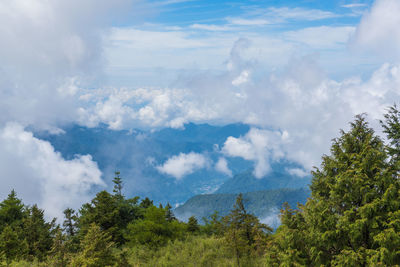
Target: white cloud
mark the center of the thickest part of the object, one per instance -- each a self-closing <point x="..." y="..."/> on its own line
<point x="210" y="27"/>
<point x="183" y="164"/>
<point x="379" y="30"/>
<point x="272" y="218"/>
<point x="41" y="175"/>
<point x="48" y="50"/>
<point x="222" y="166"/>
<point x="299" y="102"/>
<point x="260" y="146"/>
<point x="248" y="22"/>
<point x="298" y="172"/>
<point x="242" y="78"/>
<point x="354" y="5"/>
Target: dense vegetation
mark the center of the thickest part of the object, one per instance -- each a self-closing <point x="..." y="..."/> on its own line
<point x="351" y="219"/>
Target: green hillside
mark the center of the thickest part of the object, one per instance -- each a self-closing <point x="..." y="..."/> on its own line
<point x="246" y="182"/>
<point x="259" y="203"/>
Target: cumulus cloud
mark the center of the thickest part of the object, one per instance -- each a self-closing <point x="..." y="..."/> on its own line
<point x="183" y="164"/>
<point x="41" y="175"/>
<point x="379" y="29"/>
<point x="49" y="51"/>
<point x="261" y="146"/>
<point x="222" y="166"/>
<point x="298" y="172"/>
<point x="298" y="107"/>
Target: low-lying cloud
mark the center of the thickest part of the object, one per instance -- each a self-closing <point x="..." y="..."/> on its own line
<point x="183" y="164"/>
<point x="260" y="146"/>
<point x="222" y="166"/>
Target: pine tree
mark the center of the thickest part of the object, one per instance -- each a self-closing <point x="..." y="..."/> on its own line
<point x="244" y="233"/>
<point x="38" y="233"/>
<point x="59" y="250"/>
<point x="96" y="249"/>
<point x="352" y="217"/>
<point x="12" y="246"/>
<point x="146" y="203"/>
<point x="169" y="215"/>
<point x="12" y="211"/>
<point x="117" y="184"/>
<point x="70" y="222"/>
<point x="193" y="225"/>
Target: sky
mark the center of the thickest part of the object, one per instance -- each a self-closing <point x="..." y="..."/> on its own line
<point x="295" y="71"/>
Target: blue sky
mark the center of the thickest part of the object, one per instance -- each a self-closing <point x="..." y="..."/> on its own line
<point x="206" y="30"/>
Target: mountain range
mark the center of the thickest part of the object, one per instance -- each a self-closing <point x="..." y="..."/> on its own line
<point x="137" y="153"/>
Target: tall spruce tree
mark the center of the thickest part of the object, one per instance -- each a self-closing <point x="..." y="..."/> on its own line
<point x="96" y="249"/>
<point x="117" y="184"/>
<point x="38" y="233"/>
<point x="12" y="211"/>
<point x="70" y="222"/>
<point x="350" y="219"/>
<point x="244" y="233"/>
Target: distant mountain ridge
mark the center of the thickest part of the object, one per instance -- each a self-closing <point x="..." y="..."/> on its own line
<point x="137" y="153"/>
<point x="260" y="203"/>
<point x="247" y="182"/>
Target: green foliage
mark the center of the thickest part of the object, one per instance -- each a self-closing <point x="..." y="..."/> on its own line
<point x="38" y="233"/>
<point x="12" y="211"/>
<point x="169" y="215"/>
<point x="146" y="203"/>
<point x="59" y="252"/>
<point x="12" y="246"/>
<point x="97" y="249"/>
<point x="350" y="220"/>
<point x="213" y="225"/>
<point x="244" y="234"/>
<point x="193" y="225"/>
<point x="194" y="251"/>
<point x="117" y="184"/>
<point x="111" y="213"/>
<point x="70" y="222"/>
<point x="154" y="230"/>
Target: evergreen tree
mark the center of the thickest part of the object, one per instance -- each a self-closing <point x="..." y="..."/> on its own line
<point x="12" y="246"/>
<point x="244" y="233"/>
<point x="169" y="215"/>
<point x="213" y="225"/>
<point x="117" y="184"/>
<point x="59" y="251"/>
<point x="193" y="225"/>
<point x="102" y="211"/>
<point x="96" y="249"/>
<point x="38" y="233"/>
<point x="146" y="203"/>
<point x="110" y="213"/>
<point x="352" y="217"/>
<point x="12" y="211"/>
<point x="70" y="222"/>
<point x="154" y="230"/>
